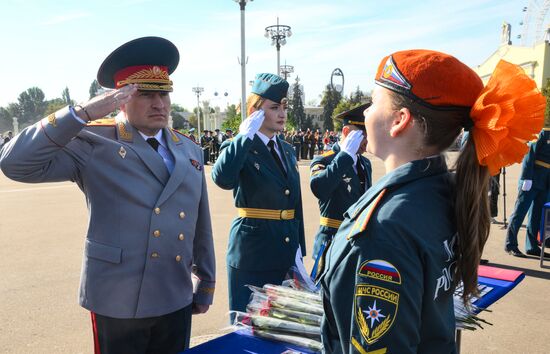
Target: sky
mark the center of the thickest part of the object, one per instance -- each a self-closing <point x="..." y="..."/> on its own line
<point x="62" y="43"/>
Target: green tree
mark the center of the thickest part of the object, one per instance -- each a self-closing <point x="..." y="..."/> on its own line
<point x="546" y="92"/>
<point x="232" y="119"/>
<point x="330" y="100"/>
<point x="94" y="89"/>
<point x="66" y="96"/>
<point x="308" y="122"/>
<point x="297" y="115"/>
<point x="357" y="97"/>
<point x="32" y="105"/>
<point x="343" y="105"/>
<point x="177" y="115"/>
<point x="54" y="105"/>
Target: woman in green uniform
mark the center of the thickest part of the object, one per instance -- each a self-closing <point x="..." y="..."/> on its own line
<point x="262" y="171"/>
<point x="391" y="270"/>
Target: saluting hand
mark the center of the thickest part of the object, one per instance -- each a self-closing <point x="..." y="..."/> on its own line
<point x="252" y="124"/>
<point x="102" y="105"/>
<point x="351" y="143"/>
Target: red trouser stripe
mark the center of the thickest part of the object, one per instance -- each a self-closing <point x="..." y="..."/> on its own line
<point x="96" y="339"/>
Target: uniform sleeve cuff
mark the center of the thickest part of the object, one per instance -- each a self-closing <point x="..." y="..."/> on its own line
<point x="204" y="294"/>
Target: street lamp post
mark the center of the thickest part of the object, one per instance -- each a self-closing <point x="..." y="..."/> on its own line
<point x="278" y="34"/>
<point x="198" y="90"/>
<point x="242" y="4"/>
<point x="286" y="70"/>
<point x="337" y="75"/>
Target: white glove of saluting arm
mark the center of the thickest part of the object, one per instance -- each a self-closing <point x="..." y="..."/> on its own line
<point x="527" y="184"/>
<point x="102" y="105"/>
<point x="350" y="145"/>
<point x="252" y="124"/>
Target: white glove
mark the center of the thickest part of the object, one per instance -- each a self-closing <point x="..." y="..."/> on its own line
<point x="526" y="186"/>
<point x="351" y="144"/>
<point x="252" y="124"/>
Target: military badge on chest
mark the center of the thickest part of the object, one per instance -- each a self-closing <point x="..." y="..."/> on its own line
<point x="196" y="164"/>
<point x="347" y="180"/>
<point x="122" y="152"/>
<point x="375" y="305"/>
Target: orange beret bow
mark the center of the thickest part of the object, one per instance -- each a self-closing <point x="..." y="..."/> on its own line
<point x="508" y="113"/>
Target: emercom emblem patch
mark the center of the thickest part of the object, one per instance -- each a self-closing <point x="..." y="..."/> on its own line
<point x="375" y="310"/>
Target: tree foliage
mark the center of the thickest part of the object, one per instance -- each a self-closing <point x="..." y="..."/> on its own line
<point x="32" y="105"/>
<point x="356" y="98"/>
<point x="330" y="100"/>
<point x="232" y="119"/>
<point x="296" y="114"/>
<point x="177" y="115"/>
<point x="66" y="96"/>
<point x="94" y="89"/>
<point x="54" y="105"/>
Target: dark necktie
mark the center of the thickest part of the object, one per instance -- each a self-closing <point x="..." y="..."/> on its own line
<point x="154" y="143"/>
<point x="361" y="174"/>
<point x="271" y="145"/>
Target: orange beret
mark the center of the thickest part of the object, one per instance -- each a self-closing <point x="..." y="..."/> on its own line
<point x="435" y="79"/>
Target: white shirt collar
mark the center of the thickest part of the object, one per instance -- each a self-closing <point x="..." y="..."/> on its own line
<point x="159" y="136"/>
<point x="265" y="139"/>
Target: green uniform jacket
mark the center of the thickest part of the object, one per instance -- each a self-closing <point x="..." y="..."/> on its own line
<point x="387" y="282"/>
<point x="247" y="167"/>
<point x="337" y="186"/>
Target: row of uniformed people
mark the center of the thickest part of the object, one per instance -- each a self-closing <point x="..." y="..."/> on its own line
<point x="262" y="171"/>
<point x="397" y="249"/>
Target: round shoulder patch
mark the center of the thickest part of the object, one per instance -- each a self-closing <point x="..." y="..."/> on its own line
<point x="380" y="270"/>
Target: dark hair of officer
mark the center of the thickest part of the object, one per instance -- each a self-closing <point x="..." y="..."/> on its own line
<point x="443" y="110"/>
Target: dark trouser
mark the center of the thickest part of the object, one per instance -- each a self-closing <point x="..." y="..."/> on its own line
<point x="311" y="151"/>
<point x="206" y="155"/>
<point x="531" y="201"/>
<point x="239" y="293"/>
<point x="165" y="334"/>
<point x="494" y="190"/>
<point x="297" y="148"/>
<point x="215" y="153"/>
<point x="305" y="148"/>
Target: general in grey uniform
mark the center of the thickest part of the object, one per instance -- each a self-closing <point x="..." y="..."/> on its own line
<point x="149" y="227"/>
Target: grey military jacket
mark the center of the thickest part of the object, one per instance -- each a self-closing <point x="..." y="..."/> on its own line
<point x="149" y="231"/>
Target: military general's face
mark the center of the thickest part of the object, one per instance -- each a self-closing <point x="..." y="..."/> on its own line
<point x="148" y="111"/>
<point x="275" y="117"/>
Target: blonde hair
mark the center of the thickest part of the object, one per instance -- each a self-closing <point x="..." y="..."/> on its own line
<point x="253" y="103"/>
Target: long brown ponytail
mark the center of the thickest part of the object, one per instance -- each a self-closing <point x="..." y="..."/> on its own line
<point x="472" y="216"/>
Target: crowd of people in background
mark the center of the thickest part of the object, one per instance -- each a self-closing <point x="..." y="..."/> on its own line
<point x="306" y="143"/>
